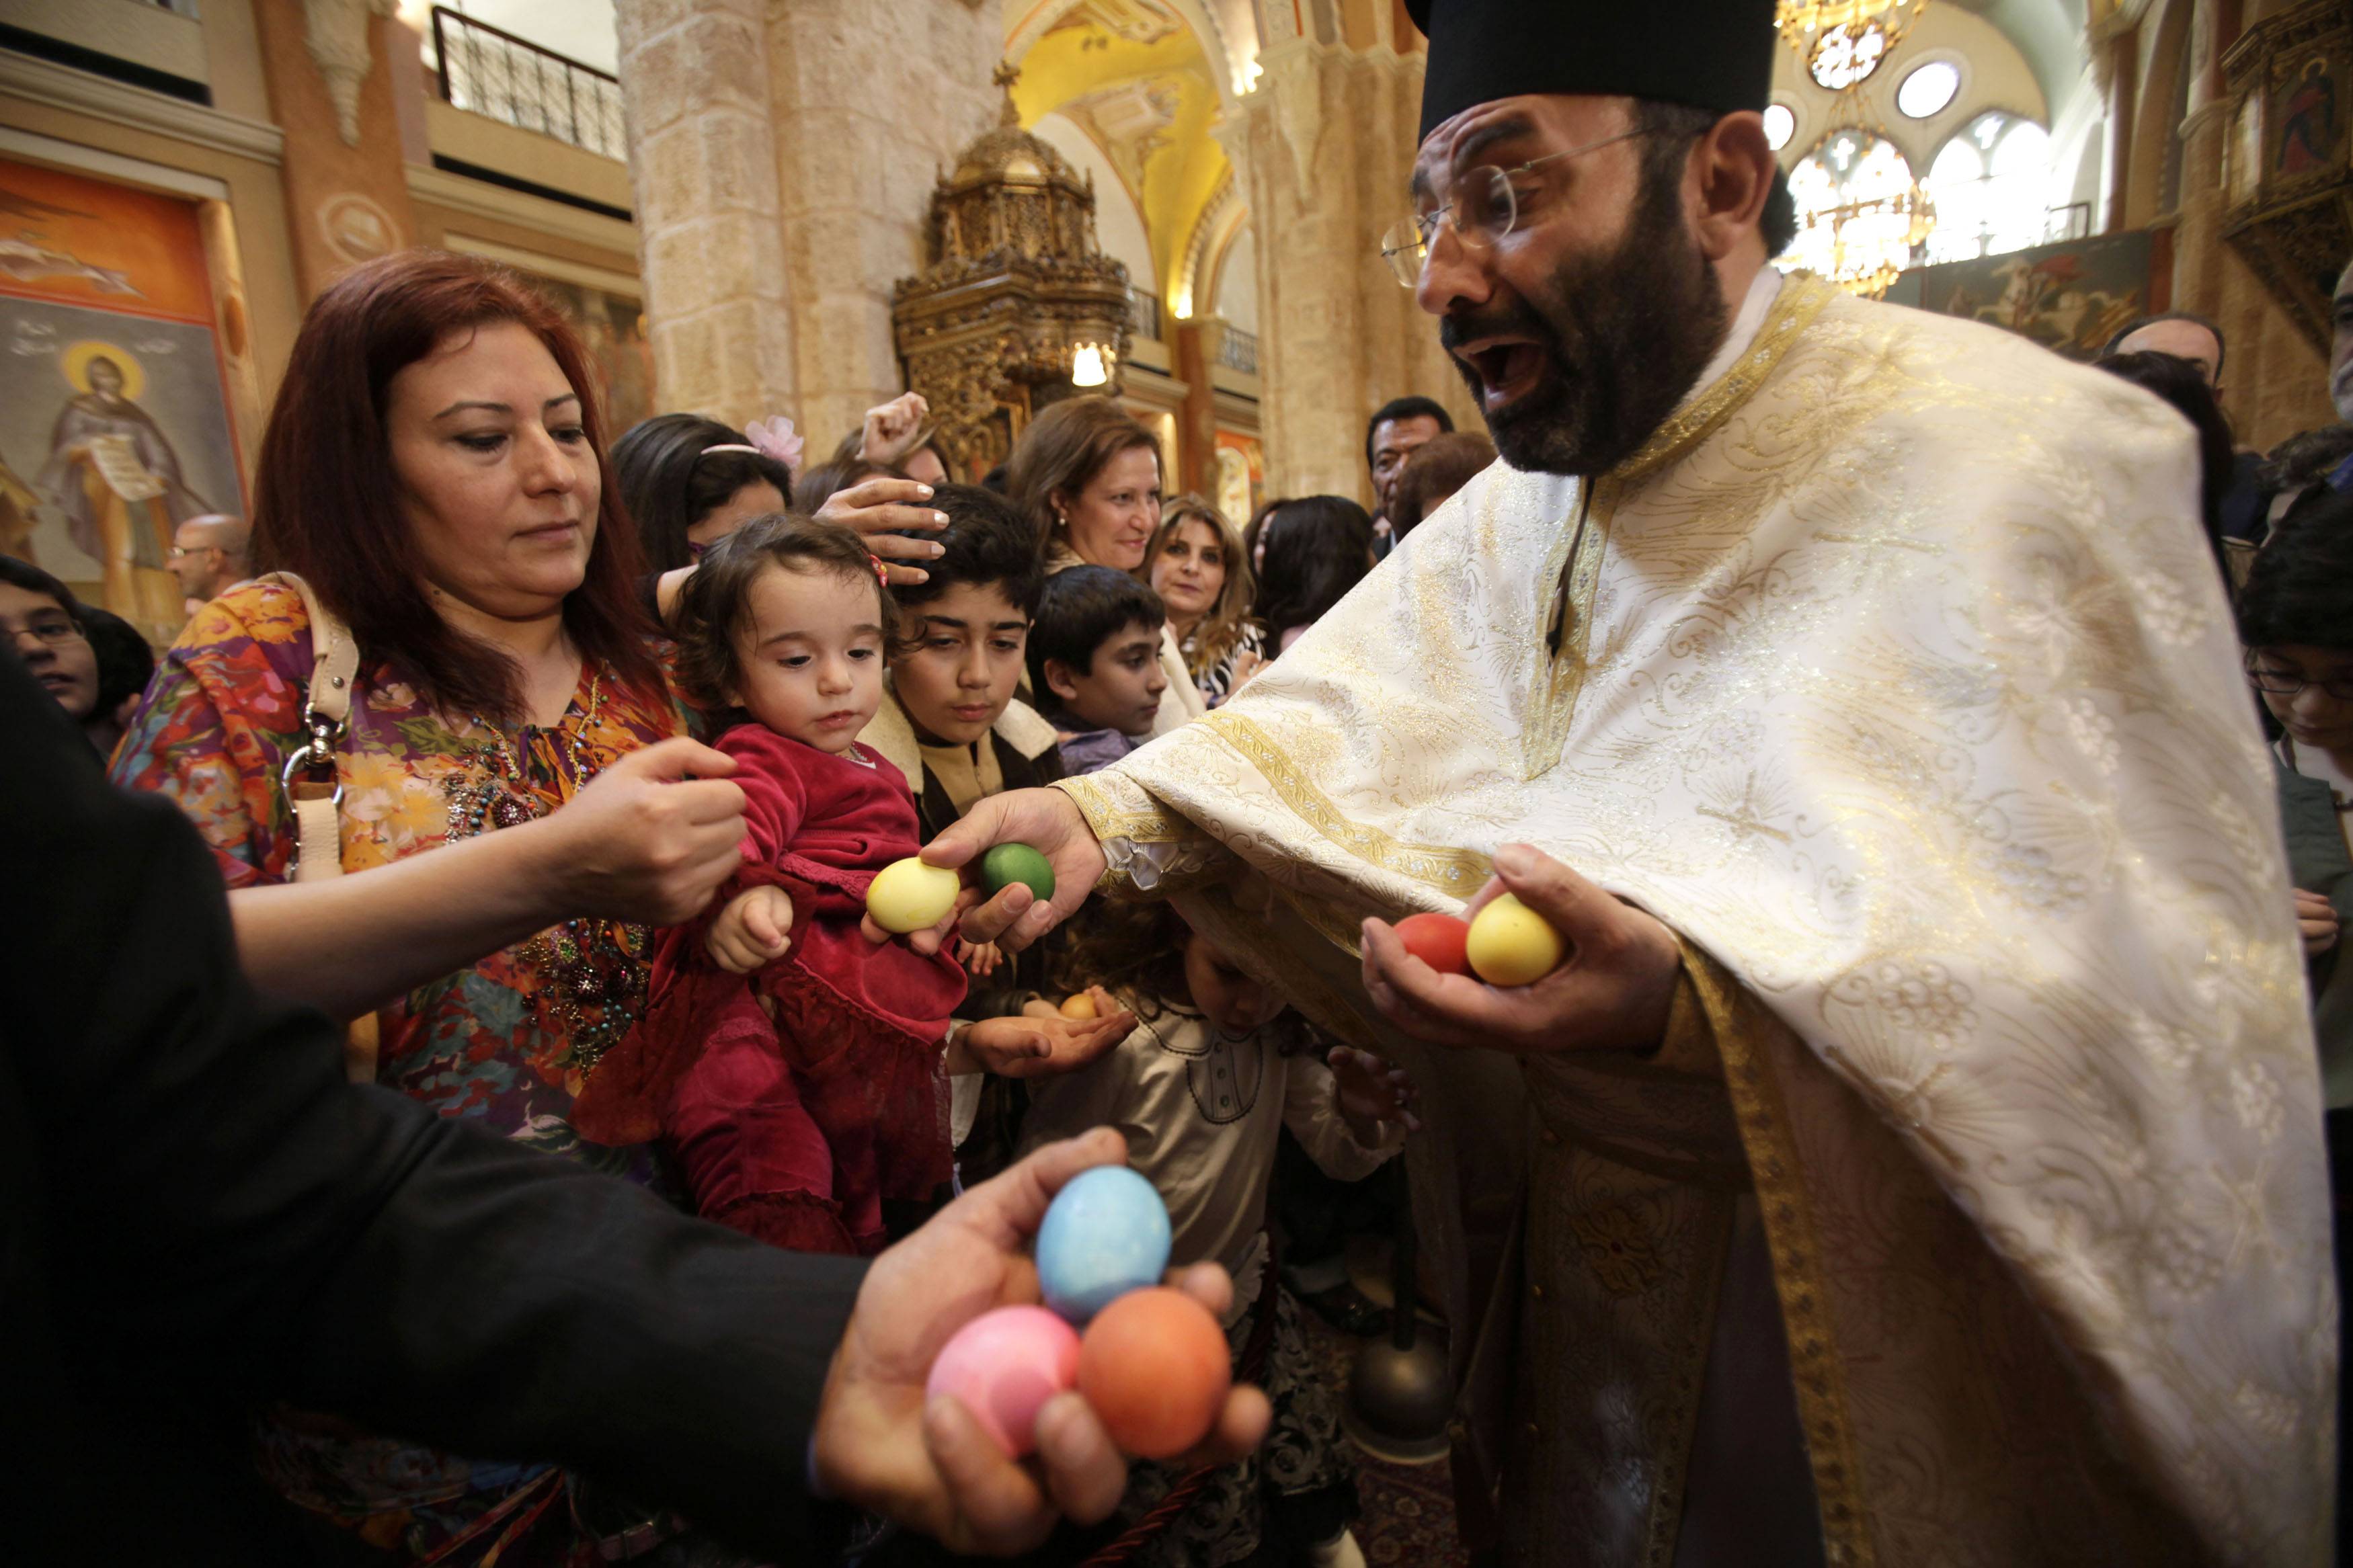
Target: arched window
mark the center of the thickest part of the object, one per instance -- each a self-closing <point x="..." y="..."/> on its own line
<point x="1929" y="89"/>
<point x="1841" y="232"/>
<point x="1990" y="184"/>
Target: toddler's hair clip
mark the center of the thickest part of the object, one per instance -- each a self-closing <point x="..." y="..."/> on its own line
<point x="882" y="573"/>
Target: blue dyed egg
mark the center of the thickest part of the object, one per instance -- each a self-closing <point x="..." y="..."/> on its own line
<point x="1105" y="1234"/>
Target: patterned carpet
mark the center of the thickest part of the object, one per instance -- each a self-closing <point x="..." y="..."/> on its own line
<point x="1408" y="1517"/>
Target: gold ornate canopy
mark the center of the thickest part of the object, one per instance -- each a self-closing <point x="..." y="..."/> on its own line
<point x="1014" y="296"/>
<point x="2287" y="176"/>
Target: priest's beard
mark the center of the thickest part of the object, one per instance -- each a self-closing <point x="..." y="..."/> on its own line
<point x="1624" y="335"/>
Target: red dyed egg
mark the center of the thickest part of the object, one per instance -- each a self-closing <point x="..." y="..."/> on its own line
<point x="1439" y="940"/>
<point x="1155" y="1366"/>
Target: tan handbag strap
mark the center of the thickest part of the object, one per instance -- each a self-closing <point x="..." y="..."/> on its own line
<point x="312" y="789"/>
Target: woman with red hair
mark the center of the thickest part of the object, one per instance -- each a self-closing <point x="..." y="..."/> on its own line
<point x="516" y="808"/>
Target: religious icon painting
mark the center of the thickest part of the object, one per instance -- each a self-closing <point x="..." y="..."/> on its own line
<point x="114" y="416"/>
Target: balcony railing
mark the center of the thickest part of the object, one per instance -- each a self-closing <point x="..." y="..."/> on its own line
<point x="492" y="72"/>
<point x="1143" y="313"/>
<point x="1238" y="350"/>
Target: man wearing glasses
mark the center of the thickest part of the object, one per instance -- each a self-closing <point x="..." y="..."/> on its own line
<point x="42" y="620"/>
<point x="1916" y="1155"/>
<point x="208" y="554"/>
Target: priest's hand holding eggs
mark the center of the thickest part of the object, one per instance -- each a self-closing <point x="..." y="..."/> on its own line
<point x="1550" y="962"/>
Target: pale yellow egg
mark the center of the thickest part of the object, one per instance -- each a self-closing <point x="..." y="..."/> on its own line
<point x="908" y="895"/>
<point x="1511" y="944"/>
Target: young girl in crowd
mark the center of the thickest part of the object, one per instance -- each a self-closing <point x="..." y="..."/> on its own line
<point x="790" y="1056"/>
<point x="1210" y="1075"/>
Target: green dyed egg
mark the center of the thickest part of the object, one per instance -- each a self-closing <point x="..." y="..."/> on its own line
<point x="1011" y="863"/>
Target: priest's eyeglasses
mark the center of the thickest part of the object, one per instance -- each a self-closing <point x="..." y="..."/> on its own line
<point x="2289" y="682"/>
<point x="1484" y="208"/>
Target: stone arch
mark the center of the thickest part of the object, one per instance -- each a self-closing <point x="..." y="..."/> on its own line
<point x="1029" y="26"/>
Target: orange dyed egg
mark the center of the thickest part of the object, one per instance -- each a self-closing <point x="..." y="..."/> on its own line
<point x="1155" y="1366"/>
<point x="1081" y="1006"/>
<point x="1442" y="941"/>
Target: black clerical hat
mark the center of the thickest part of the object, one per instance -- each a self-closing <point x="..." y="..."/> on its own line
<point x="1710" y="54"/>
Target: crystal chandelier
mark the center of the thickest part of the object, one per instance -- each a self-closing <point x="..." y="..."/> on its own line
<point x="1839" y="42"/>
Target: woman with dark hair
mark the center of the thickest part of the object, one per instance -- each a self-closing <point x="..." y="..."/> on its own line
<point x="2178" y="383"/>
<point x="1088" y="473"/>
<point x="1315" y="549"/>
<point x="688" y="482"/>
<point x="515" y="802"/>
<point x="125" y="664"/>
<point x="2295" y="617"/>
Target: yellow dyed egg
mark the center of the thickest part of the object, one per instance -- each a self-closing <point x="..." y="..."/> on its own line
<point x="907" y="895"/>
<point x="1081" y="1006"/>
<point x="1511" y="944"/>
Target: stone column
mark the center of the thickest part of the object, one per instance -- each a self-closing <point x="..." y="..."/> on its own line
<point x="325" y="63"/>
<point x="783" y="155"/>
<point x="1324" y="147"/>
<point x="702" y="162"/>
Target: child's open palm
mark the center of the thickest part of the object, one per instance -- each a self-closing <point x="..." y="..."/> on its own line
<point x="752" y="931"/>
<point x="1040" y="1043"/>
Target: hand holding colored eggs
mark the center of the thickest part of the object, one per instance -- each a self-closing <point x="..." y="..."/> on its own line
<point x="1511" y="944"/>
<point x="1154" y="1362"/>
<point x="909" y="895"/>
<point x="1440" y="941"/>
<point x="1010" y="863"/>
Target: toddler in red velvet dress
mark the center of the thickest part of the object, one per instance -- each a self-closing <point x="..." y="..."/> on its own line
<point x="792" y="1056"/>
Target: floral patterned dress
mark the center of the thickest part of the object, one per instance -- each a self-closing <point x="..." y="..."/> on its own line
<point x="507" y="1043"/>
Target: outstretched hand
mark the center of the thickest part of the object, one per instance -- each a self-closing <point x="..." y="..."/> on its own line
<point x="1049" y="822"/>
<point x="1612" y="991"/>
<point x="1043" y="1043"/>
<point x="929" y="1464"/>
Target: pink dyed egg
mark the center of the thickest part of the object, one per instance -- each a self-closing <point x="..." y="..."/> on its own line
<point x="1005" y="1365"/>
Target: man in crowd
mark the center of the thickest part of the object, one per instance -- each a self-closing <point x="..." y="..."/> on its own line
<point x="1918" y="1153"/>
<point x="2184" y="334"/>
<point x="198" y="1213"/>
<point x="209" y="554"/>
<point x="1398" y="430"/>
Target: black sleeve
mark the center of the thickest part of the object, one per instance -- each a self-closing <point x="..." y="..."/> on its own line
<point x="212" y="1206"/>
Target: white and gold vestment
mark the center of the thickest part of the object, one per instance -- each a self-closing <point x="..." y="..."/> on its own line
<point x="1893" y="675"/>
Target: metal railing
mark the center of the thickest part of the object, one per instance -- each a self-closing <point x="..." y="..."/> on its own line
<point x="1238" y="350"/>
<point x="1143" y="312"/>
<point x="491" y="73"/>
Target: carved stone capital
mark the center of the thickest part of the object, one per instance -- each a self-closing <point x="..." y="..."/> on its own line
<point x="337" y="33"/>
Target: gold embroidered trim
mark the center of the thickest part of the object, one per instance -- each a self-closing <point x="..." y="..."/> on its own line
<point x="1554" y="705"/>
<point x="1110" y="818"/>
<point x="1797" y="1273"/>
<point x="1458" y="873"/>
<point x="1801" y="299"/>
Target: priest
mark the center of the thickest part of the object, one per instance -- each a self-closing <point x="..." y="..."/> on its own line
<point x="1917" y="1160"/>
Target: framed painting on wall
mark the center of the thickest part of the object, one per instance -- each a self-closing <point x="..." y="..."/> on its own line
<point x="114" y="416"/>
